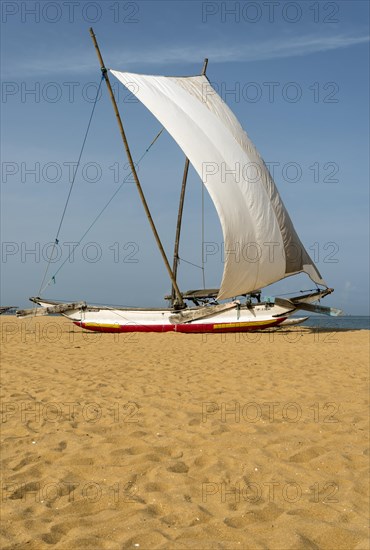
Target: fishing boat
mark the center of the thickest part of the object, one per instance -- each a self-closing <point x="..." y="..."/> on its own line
<point x="7" y="309"/>
<point x="253" y="218"/>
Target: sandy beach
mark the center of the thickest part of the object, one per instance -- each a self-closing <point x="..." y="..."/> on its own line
<point x="176" y="441"/>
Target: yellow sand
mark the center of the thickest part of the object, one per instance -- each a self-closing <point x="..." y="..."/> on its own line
<point x="178" y="441"/>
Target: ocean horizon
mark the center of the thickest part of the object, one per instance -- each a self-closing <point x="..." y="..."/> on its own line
<point x="343" y="322"/>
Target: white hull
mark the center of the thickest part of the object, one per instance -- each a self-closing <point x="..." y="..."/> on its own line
<point x="232" y="320"/>
<point x="293" y="322"/>
<point x="237" y="319"/>
<point x="229" y="317"/>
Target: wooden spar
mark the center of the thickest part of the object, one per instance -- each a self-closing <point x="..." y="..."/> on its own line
<point x="180" y="302"/>
<point x="180" y="211"/>
<point x="178" y="227"/>
<point x="201" y="313"/>
<point x="204" y="66"/>
<point x="57" y="308"/>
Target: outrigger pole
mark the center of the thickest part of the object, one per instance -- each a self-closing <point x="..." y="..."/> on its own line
<point x="179" y="301"/>
<point x="181" y="208"/>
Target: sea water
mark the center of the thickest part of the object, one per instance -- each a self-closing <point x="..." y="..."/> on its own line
<point x="345" y="322"/>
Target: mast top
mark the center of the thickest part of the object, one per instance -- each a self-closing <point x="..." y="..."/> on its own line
<point x="205" y="66"/>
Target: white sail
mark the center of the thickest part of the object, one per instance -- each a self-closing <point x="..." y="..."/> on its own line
<point x="261" y="244"/>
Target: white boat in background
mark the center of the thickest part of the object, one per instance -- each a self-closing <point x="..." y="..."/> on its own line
<point x="6" y="309"/>
<point x="253" y="218"/>
<point x="293" y="321"/>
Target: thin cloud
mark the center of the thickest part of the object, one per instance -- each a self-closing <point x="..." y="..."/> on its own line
<point x="260" y="51"/>
<point x="247" y="52"/>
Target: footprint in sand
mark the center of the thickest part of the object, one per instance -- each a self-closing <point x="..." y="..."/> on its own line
<point x="56" y="533"/>
<point x="307" y="454"/>
<point x="178" y="468"/>
<point x="308" y="543"/>
<point x="139" y="434"/>
<point x="139" y="450"/>
<point x="25" y="461"/>
<point x="235" y="522"/>
<point x="31" y="487"/>
<point x="62" y="445"/>
<point x="153" y="457"/>
<point x="153" y="487"/>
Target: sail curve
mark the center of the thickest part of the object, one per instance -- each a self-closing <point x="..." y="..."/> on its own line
<point x="261" y="245"/>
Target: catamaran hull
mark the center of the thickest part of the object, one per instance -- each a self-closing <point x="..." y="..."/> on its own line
<point x="213" y="319"/>
<point x="234" y="319"/>
<point x="209" y="328"/>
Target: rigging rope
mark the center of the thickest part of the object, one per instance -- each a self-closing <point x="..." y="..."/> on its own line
<point x="190" y="263"/>
<point x="295" y="292"/>
<point x="56" y="241"/>
<point x="52" y="279"/>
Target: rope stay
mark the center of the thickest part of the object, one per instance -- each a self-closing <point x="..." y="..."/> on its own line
<point x="190" y="263"/>
<point x="53" y="278"/>
<point x="56" y="241"/>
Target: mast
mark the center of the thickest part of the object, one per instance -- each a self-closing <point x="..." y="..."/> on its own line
<point x="179" y="301"/>
<point x="178" y="227"/>
<point x="180" y="211"/>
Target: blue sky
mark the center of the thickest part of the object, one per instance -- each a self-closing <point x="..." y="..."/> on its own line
<point x="297" y="76"/>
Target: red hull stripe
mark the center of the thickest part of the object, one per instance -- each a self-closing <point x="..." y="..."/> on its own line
<point x="189" y="328"/>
